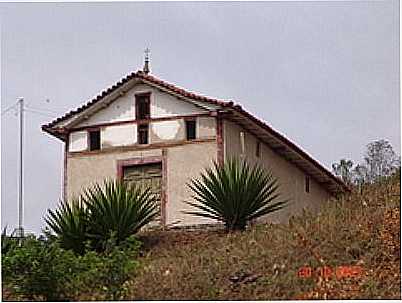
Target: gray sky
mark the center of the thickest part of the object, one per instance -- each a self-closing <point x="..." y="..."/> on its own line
<point x="324" y="74"/>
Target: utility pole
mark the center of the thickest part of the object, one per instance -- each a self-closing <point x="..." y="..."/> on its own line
<point x="20" y="232"/>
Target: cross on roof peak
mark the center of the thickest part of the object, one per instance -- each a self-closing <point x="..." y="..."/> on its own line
<point x="146" y="64"/>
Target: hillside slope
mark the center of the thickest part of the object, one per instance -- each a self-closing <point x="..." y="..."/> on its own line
<point x="263" y="263"/>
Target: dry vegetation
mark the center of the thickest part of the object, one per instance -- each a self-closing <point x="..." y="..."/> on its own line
<point x="262" y="263"/>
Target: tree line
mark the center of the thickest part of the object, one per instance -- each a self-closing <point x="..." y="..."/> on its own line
<point x="379" y="160"/>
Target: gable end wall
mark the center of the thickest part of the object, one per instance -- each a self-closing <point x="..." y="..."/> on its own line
<point x="123" y="108"/>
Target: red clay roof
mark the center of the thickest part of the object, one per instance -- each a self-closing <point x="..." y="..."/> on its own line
<point x="226" y="104"/>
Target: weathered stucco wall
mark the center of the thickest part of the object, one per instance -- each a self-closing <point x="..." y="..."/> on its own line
<point x="291" y="178"/>
<point x="159" y="131"/>
<point x="84" y="170"/>
<point x="165" y="131"/>
<point x="186" y="162"/>
<point x="118" y="135"/>
<point x="183" y="163"/>
<point x="164" y="105"/>
<point x="206" y="127"/>
<point x="175" y="129"/>
<point x="78" y="141"/>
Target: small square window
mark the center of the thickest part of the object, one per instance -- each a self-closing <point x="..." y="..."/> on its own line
<point x="307" y="181"/>
<point x="143" y="134"/>
<point x="190" y="129"/>
<point x="94" y="139"/>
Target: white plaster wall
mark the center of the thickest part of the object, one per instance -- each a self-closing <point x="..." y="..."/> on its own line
<point x="166" y="130"/>
<point x="78" y="141"/>
<point x="119" y="135"/>
<point x="123" y="108"/>
<point x="164" y="105"/>
<point x="206" y="127"/>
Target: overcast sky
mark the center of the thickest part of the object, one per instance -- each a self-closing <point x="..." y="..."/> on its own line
<point x="324" y="74"/>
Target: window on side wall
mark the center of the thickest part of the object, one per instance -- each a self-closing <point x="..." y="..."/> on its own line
<point x="94" y="139"/>
<point x="191" y="129"/>
<point x="143" y="134"/>
<point x="142" y="106"/>
<point x="242" y="145"/>
<point x="258" y="149"/>
<point x="307" y="183"/>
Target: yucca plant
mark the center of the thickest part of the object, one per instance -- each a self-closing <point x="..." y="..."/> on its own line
<point x="118" y="208"/>
<point x="70" y="224"/>
<point x="235" y="193"/>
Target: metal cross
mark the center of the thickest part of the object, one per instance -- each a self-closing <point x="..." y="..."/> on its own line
<point x="147" y="51"/>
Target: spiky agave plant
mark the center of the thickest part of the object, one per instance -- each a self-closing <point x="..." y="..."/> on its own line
<point x="70" y="224"/>
<point x="235" y="193"/>
<point x="118" y="208"/>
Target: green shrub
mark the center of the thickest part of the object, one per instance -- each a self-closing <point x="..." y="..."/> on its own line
<point x="235" y="193"/>
<point x="38" y="270"/>
<point x="7" y="242"/>
<point x="117" y="266"/>
<point x="116" y="207"/>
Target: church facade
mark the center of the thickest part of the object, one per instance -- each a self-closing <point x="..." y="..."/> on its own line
<point x="148" y="131"/>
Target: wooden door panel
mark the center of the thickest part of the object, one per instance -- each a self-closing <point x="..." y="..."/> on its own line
<point x="146" y="175"/>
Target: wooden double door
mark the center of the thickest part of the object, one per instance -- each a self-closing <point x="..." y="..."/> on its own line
<point x="146" y="175"/>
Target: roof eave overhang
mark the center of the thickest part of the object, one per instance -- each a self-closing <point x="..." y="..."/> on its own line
<point x="99" y="103"/>
<point x="288" y="150"/>
<point x="59" y="133"/>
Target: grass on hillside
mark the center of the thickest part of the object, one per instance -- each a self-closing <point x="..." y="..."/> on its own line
<point x="262" y="263"/>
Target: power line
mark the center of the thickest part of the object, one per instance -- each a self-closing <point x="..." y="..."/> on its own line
<point x="22" y="109"/>
<point x="43" y="110"/>
<point x="37" y="109"/>
<point x="38" y="112"/>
